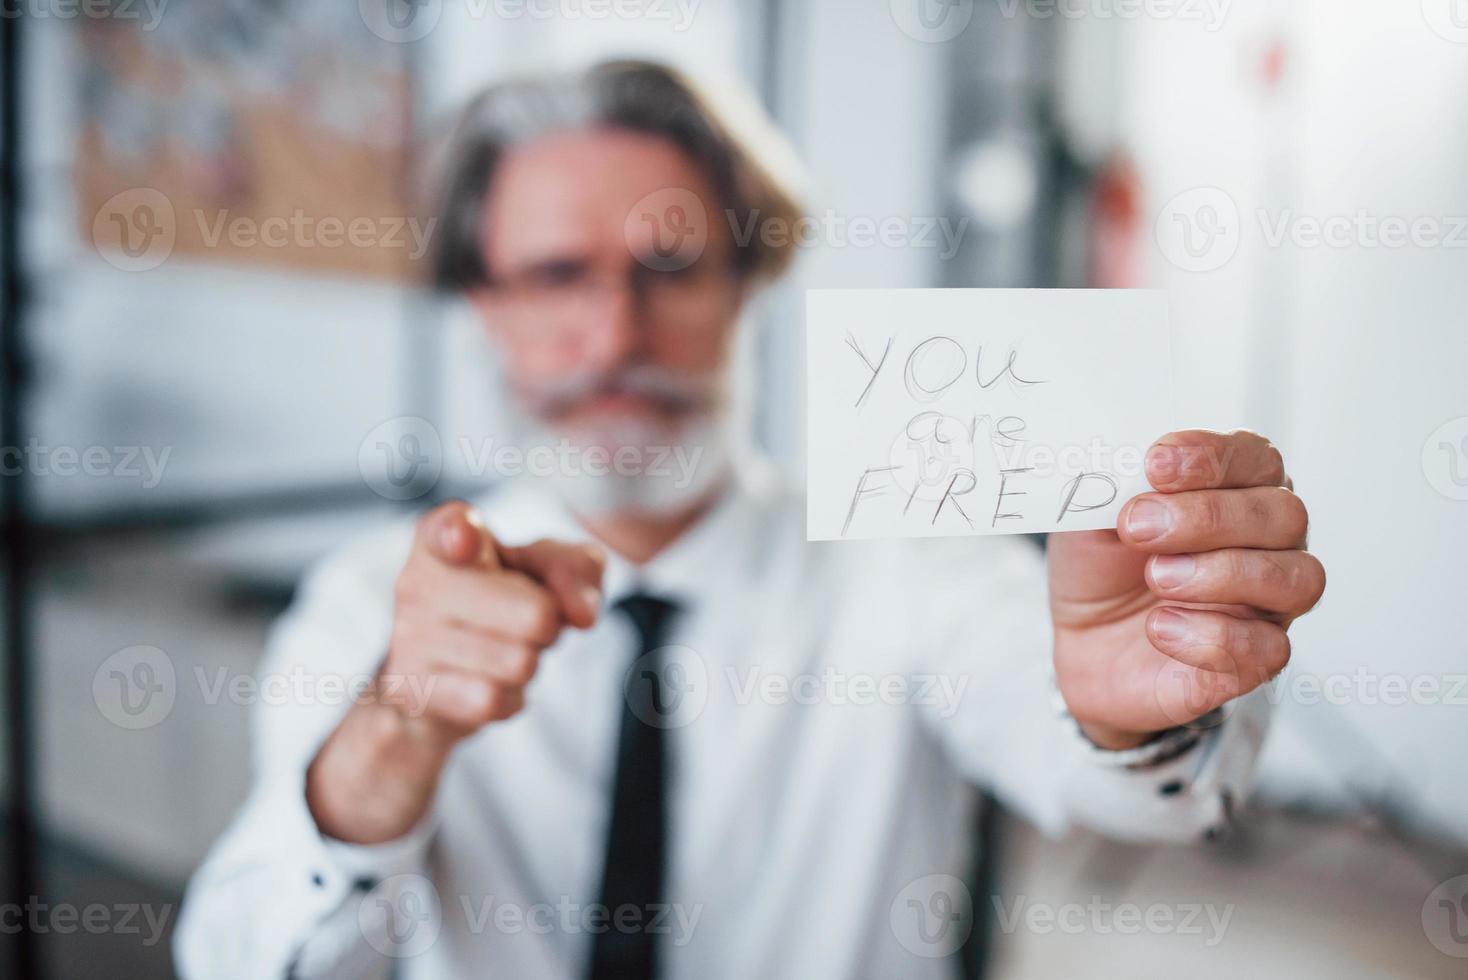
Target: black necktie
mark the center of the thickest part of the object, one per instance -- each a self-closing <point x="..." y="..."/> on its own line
<point x="633" y="875"/>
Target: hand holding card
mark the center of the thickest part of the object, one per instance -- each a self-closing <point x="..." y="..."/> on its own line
<point x="966" y="412"/>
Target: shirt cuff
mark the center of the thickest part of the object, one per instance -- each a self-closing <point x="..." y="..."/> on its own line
<point x="1166" y="747"/>
<point x="335" y="867"/>
<point x="339" y="876"/>
<point x="368" y="864"/>
<point x="1191" y="786"/>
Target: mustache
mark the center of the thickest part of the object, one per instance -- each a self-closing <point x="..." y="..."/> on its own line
<point x="671" y="391"/>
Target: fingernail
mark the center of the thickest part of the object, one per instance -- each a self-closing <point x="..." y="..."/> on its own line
<point x="1171" y="571"/>
<point x="1162" y="464"/>
<point x="592" y="597"/>
<point x="1148" y="519"/>
<point x="1170" y="626"/>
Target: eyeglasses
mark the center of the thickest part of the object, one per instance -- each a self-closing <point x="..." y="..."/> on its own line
<point x="567" y="295"/>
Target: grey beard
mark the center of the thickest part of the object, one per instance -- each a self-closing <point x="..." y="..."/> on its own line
<point x="661" y="474"/>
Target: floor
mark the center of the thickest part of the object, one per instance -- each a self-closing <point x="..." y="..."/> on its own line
<point x="1291" y="896"/>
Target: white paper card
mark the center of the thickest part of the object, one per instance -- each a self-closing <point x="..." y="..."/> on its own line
<point x="942" y="412"/>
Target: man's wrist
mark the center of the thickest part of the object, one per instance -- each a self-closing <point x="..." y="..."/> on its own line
<point x="1161" y="747"/>
<point x="1123" y="749"/>
<point x="1114" y="739"/>
<point x="373" y="778"/>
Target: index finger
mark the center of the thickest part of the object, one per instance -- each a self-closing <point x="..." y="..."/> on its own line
<point x="455" y="533"/>
<point x="572" y="571"/>
<point x="1201" y="459"/>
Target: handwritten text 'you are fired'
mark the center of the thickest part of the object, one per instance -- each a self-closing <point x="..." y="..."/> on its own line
<point x="935" y="456"/>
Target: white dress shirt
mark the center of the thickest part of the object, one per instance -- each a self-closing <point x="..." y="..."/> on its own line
<point x="839" y="703"/>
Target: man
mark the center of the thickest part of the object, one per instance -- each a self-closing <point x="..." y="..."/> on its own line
<point x="577" y="759"/>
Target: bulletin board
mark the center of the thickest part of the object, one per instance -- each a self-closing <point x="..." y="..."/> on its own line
<point x="276" y="134"/>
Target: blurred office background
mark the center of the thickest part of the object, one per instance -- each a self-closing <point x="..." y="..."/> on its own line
<point x="1291" y="174"/>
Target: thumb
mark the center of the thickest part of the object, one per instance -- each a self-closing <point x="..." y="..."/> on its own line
<point x="1090" y="566"/>
<point x="455" y="534"/>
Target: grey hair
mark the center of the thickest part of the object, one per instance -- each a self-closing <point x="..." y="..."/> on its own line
<point x="749" y="171"/>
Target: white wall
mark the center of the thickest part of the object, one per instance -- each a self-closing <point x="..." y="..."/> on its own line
<point x="1348" y="356"/>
